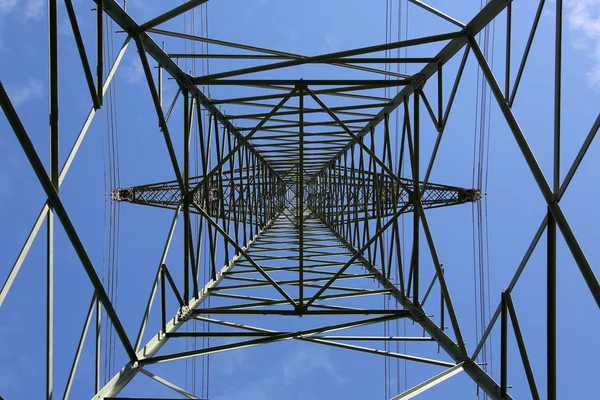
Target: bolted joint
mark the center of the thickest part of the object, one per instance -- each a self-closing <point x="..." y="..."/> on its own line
<point x="301" y="85"/>
<point x="188" y="197"/>
<point x="301" y="309"/>
<point x="417" y="313"/>
<point x="122" y="195"/>
<point x="184" y="313"/>
<point x="469" y="195"/>
<point x="417" y="81"/>
<point x="213" y="194"/>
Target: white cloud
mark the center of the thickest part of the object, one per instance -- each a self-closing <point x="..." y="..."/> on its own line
<point x="133" y="71"/>
<point x="20" y="94"/>
<point x="35" y="9"/>
<point x="7" y="6"/>
<point x="584" y="17"/>
<point x="332" y="40"/>
<point x="307" y="361"/>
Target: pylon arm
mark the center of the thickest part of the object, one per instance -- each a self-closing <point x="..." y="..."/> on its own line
<point x="362" y="195"/>
<point x="356" y="195"/>
<point x="221" y="197"/>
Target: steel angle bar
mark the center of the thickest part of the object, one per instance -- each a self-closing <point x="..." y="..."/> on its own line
<point x="230" y="56"/>
<point x="503" y="346"/>
<point x="444" y="120"/>
<point x="550" y="198"/>
<point x="155" y="283"/>
<point x="145" y="398"/>
<point x="300" y="198"/>
<point x="99" y="48"/>
<point x="536" y="20"/>
<point x="170" y="110"/>
<point x="63" y="172"/>
<point x="429" y="383"/>
<point x="54" y="166"/>
<point x="580" y="155"/>
<point x="377" y="338"/>
<point x="429" y="288"/>
<point x="167" y="274"/>
<point x="181" y="9"/>
<point x="521" y="344"/>
<point x="551" y="229"/>
<point x="341" y="311"/>
<point x="168" y="384"/>
<point x="60" y="211"/>
<point x="459" y="74"/>
<point x="441" y="279"/>
<point x="309" y="82"/>
<point x="379" y="352"/>
<point x="82" y="54"/>
<point x="438" y="13"/>
<point x="225" y="334"/>
<point x="387" y="60"/>
<point x="86" y="325"/>
<point x="162" y="123"/>
<point x="434" y="119"/>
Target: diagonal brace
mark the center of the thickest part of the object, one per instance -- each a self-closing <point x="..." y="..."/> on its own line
<point x="61" y="212"/>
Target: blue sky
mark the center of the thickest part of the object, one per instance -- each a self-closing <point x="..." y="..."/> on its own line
<point x="298" y="370"/>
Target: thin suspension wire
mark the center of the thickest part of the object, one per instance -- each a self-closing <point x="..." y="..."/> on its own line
<point x="112" y="180"/>
<point x="481" y="264"/>
<point x="397" y="163"/>
<point x="386" y="376"/>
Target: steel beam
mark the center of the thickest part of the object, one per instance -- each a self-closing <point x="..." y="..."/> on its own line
<point x="181" y="9"/>
<point x="429" y="383"/>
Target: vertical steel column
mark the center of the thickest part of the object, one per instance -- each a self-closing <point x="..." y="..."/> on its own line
<point x="417" y="197"/>
<point x="503" y="347"/>
<point x="160" y="81"/>
<point x="97" y="348"/>
<point x="551" y="236"/>
<point x="508" y="42"/>
<point x="53" y="102"/>
<point x="99" y="49"/>
<point x="185" y="195"/>
<point x="300" y="196"/>
<point x="440" y="99"/>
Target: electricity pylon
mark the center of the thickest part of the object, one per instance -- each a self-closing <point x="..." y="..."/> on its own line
<point x="301" y="210"/>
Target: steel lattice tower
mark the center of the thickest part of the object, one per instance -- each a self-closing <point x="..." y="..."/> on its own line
<point x="299" y="199"/>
